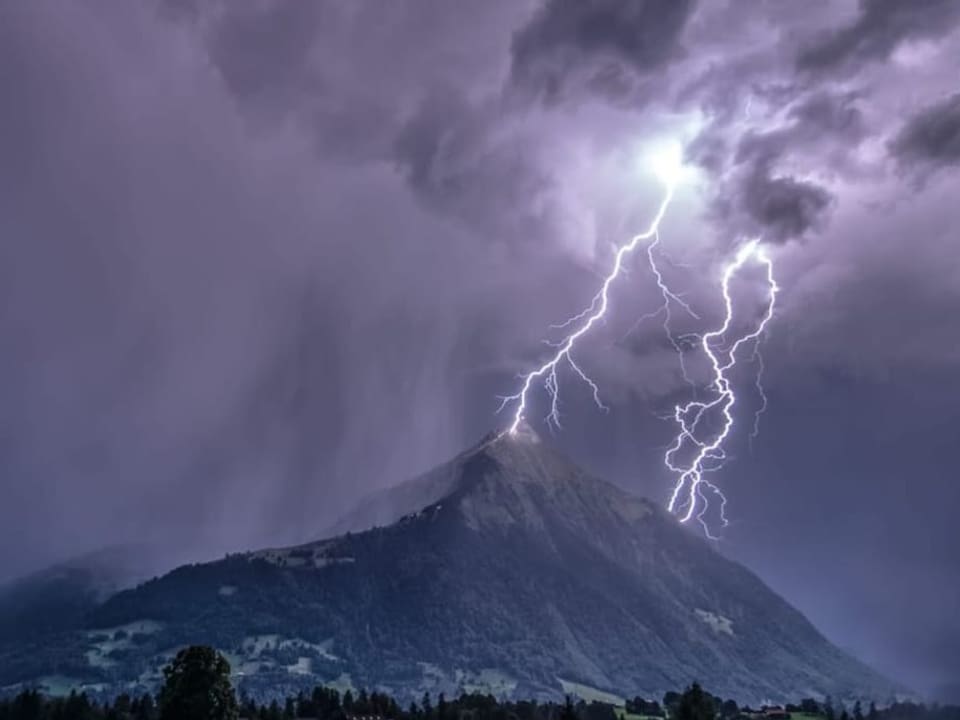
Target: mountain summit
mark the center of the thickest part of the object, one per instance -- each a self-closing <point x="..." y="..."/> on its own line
<point x="521" y="574"/>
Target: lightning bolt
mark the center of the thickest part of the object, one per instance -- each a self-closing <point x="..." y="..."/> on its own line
<point x="582" y="322"/>
<point x="690" y="482"/>
<point x="667" y="294"/>
<point x="758" y="384"/>
<point x="689" y="495"/>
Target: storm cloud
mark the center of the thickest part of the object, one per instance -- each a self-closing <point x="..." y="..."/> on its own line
<point x="260" y="259"/>
<point x="931" y="137"/>
<point x="758" y="199"/>
<point x="879" y="27"/>
<point x="782" y="208"/>
<point x="602" y="46"/>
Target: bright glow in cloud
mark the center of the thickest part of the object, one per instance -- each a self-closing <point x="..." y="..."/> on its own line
<point x="665" y="160"/>
<point x="707" y="438"/>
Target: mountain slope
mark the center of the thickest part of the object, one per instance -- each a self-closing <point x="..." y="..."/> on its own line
<point x="384" y="507"/>
<point x="525" y="577"/>
<point x="60" y="596"/>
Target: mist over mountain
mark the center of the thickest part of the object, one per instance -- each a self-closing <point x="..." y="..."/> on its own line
<point x="59" y="597"/>
<point x="523" y="576"/>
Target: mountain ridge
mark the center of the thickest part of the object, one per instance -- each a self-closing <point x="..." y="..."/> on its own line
<point x="527" y="575"/>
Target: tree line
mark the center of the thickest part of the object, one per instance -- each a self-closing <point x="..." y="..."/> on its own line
<point x="197" y="686"/>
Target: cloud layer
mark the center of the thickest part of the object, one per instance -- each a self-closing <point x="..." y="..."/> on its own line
<point x="257" y="259"/>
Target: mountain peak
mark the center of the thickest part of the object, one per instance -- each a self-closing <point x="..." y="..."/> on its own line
<point x="523" y="433"/>
<point x="515" y="571"/>
<point x="509" y="481"/>
<point x="518" y="456"/>
<point x="521" y="463"/>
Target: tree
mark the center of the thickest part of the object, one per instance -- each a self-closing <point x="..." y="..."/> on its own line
<point x="78" y="706"/>
<point x="27" y="705"/>
<point x="599" y="711"/>
<point x="809" y="706"/>
<point x="729" y="709"/>
<point x="273" y="711"/>
<point x="145" y="708"/>
<point x="670" y="699"/>
<point x="695" y="704"/>
<point x="197" y="687"/>
<point x="569" y="712"/>
<point x="123" y="705"/>
<point x="828" y="710"/>
<point x="653" y="709"/>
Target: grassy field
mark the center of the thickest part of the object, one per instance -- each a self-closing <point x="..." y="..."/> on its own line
<point x="591" y="694"/>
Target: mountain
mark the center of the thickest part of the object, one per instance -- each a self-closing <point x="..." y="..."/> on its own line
<point x="60" y="596"/>
<point x="384" y="507"/>
<point x="524" y="576"/>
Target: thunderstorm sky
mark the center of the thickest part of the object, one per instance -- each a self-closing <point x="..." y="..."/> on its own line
<point x="259" y="259"/>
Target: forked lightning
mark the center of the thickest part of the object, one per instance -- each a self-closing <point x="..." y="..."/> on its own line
<point x="687" y="498"/>
<point x="703" y="426"/>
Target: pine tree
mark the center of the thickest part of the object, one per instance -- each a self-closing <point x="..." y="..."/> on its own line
<point x="568" y="712"/>
<point x="197" y="687"/>
<point x="828" y="710"/>
<point x="695" y="704"/>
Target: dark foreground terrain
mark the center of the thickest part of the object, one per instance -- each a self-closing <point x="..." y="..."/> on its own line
<point x="205" y="693"/>
<point x="515" y="574"/>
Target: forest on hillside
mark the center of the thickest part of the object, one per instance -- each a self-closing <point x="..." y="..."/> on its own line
<point x="197" y="687"/>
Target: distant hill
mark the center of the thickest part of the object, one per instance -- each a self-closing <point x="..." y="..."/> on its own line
<point x="60" y="596"/>
<point x="523" y="576"/>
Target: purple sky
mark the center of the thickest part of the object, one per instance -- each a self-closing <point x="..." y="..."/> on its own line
<point x="279" y="254"/>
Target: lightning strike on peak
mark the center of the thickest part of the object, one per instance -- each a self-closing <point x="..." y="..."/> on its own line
<point x="688" y="498"/>
<point x="582" y="322"/>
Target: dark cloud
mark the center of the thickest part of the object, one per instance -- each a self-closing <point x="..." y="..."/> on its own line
<point x="199" y="309"/>
<point x="456" y="161"/>
<point x="817" y="121"/>
<point x="931" y="138"/>
<point x="754" y="197"/>
<point x="258" y="259"/>
<point x="605" y="46"/>
<point x="831" y="113"/>
<point x="283" y="63"/>
<point x="274" y="60"/>
<point x="782" y="208"/>
<point x="263" y="49"/>
<point x="709" y="150"/>
<point x="879" y="28"/>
